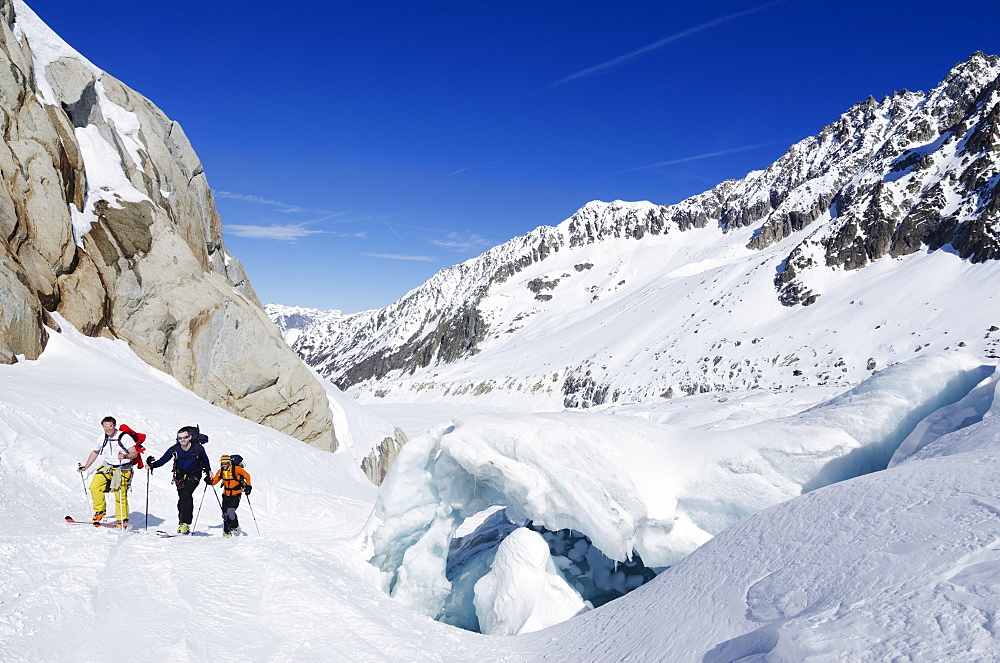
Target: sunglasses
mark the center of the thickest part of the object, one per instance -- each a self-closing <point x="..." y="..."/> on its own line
<point x="182" y="439"/>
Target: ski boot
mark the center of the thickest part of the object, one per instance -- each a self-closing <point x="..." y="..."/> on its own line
<point x="184" y="528"/>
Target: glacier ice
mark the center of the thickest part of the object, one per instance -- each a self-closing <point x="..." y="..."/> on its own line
<point x="523" y="591"/>
<point x="950" y="420"/>
<point x="629" y="487"/>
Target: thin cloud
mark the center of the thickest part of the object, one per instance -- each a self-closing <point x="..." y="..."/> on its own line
<point x="392" y="256"/>
<point x="275" y="231"/>
<point x="248" y="198"/>
<point x="285" y="207"/>
<point x="697" y="157"/>
<point x="645" y="50"/>
<point x="462" y="244"/>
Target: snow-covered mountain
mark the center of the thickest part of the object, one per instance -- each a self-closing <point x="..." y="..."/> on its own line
<point x="869" y="242"/>
<point x="293" y="320"/>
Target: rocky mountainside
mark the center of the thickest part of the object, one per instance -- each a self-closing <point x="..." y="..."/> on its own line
<point x="108" y="220"/>
<point x="853" y="250"/>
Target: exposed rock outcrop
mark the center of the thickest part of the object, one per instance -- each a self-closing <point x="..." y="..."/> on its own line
<point x="929" y="179"/>
<point x="377" y="463"/>
<point x="106" y="218"/>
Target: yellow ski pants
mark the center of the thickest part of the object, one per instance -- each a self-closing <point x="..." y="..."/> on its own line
<point x="102" y="483"/>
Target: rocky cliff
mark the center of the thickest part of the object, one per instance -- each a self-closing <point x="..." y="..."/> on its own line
<point x="106" y="217"/>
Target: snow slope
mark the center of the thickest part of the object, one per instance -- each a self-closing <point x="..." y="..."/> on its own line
<point x="296" y="591"/>
<point x="898" y="565"/>
<point x="903" y="562"/>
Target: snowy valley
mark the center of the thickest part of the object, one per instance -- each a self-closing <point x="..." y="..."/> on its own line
<point x="757" y="425"/>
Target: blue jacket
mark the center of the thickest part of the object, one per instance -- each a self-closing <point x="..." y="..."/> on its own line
<point x="192" y="461"/>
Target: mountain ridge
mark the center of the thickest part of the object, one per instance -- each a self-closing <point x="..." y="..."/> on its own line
<point x="887" y="178"/>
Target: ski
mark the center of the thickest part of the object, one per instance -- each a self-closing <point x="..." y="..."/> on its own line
<point x="70" y="520"/>
<point x="166" y="535"/>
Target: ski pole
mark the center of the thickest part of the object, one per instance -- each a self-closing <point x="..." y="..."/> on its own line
<point x="220" y="506"/>
<point x="216" y="493"/>
<point x="193" y="527"/>
<point x="83" y="482"/>
<point x="252" y="514"/>
<point x="146" y="524"/>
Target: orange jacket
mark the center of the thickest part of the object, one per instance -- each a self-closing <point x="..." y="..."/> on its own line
<point x="233" y="480"/>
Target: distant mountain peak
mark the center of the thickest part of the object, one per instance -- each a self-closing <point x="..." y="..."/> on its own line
<point x="706" y="294"/>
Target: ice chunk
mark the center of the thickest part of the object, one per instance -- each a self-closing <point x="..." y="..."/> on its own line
<point x="523" y="592"/>
<point x="469" y="559"/>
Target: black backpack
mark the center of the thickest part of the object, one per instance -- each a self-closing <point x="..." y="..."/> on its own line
<point x="197" y="438"/>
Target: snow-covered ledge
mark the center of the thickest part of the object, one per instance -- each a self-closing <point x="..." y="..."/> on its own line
<point x="632" y="487"/>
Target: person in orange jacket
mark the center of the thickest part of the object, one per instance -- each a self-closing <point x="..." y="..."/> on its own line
<point x="235" y="482"/>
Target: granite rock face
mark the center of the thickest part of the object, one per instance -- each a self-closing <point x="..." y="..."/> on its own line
<point x="106" y="218"/>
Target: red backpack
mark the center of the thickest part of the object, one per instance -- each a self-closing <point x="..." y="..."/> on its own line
<point x="138" y="438"/>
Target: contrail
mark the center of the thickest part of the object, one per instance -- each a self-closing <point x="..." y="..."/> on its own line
<point x="697" y="157"/>
<point x="387" y="225"/>
<point x="660" y="44"/>
<point x="462" y="170"/>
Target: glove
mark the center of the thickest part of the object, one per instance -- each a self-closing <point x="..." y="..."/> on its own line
<point x="248" y="489"/>
<point x="208" y="479"/>
<point x="150" y="460"/>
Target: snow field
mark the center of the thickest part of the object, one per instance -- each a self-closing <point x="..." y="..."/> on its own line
<point x="900" y="563"/>
<point x="897" y="565"/>
<point x="298" y="591"/>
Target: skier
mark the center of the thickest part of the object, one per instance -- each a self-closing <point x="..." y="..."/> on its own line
<point x="235" y="482"/>
<point x="114" y="474"/>
<point x="190" y="460"/>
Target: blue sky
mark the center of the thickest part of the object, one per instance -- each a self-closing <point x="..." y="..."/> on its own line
<point x="356" y="148"/>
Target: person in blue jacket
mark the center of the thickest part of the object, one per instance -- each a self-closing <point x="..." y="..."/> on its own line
<point x="190" y="462"/>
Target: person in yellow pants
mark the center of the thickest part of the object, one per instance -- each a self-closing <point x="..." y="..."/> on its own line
<point x="114" y="474"/>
